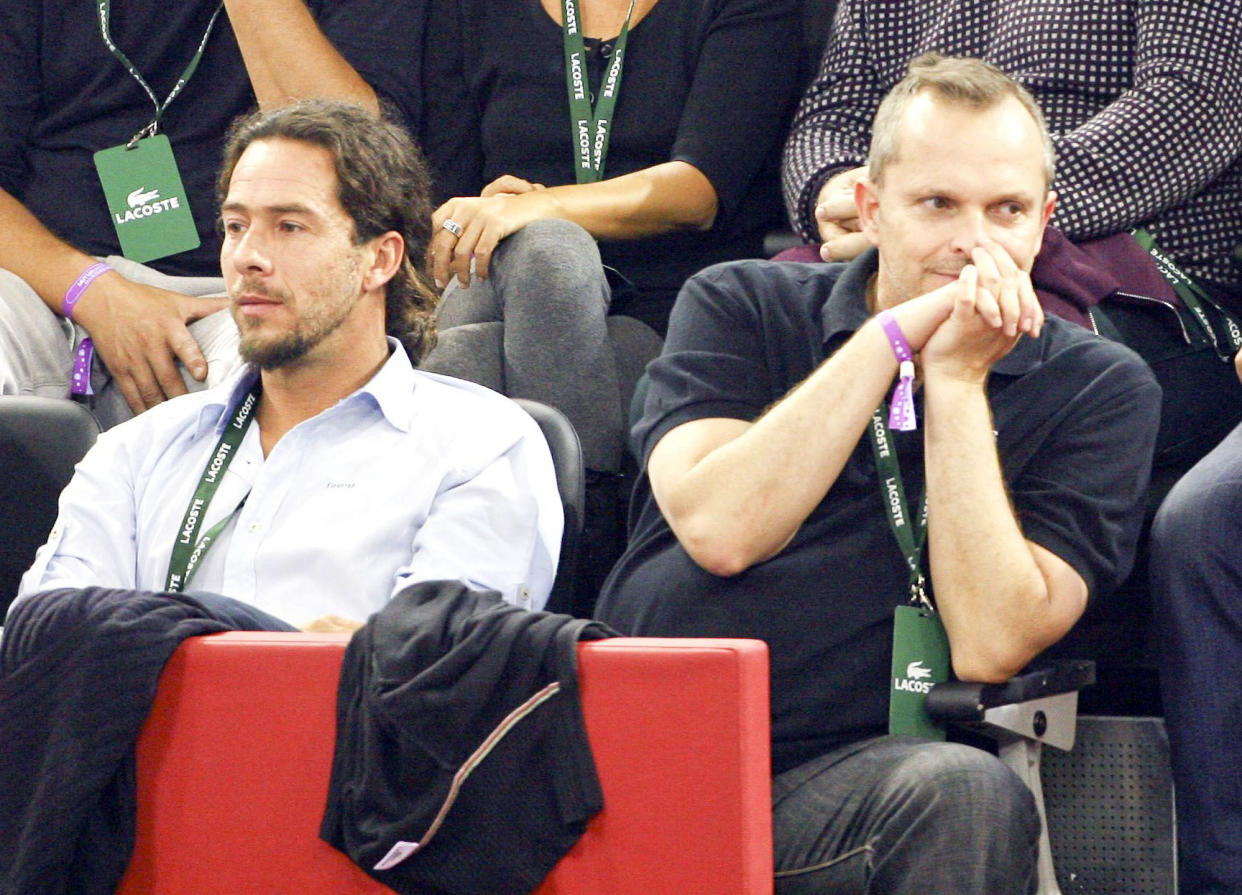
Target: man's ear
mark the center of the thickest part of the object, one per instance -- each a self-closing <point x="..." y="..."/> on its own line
<point x="387" y="251"/>
<point x="1049" y="204"/>
<point x="867" y="201"/>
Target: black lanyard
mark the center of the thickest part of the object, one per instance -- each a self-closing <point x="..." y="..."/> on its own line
<point x="591" y="128"/>
<point x="187" y="552"/>
<point x="910" y="537"/>
<point x="1191" y="294"/>
<point x="105" y="14"/>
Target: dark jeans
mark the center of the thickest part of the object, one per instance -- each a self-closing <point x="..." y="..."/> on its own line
<point x="1196" y="585"/>
<point x="238" y="615"/>
<point x="896" y="815"/>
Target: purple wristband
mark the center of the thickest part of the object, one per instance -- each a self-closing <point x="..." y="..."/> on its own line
<point x="74" y="292"/>
<point x="901" y="407"/>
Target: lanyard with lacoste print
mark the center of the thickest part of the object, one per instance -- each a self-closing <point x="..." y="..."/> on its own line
<point x="1192" y="295"/>
<point x="920" y="645"/>
<point x="591" y="128"/>
<point x="188" y="551"/>
<point x="146" y="198"/>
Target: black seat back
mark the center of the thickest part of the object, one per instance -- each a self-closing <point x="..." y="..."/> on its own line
<point x="41" y="440"/>
<point x="570" y="480"/>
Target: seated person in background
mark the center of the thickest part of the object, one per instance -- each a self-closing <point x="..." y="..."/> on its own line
<point x="1143" y="99"/>
<point x="1196" y="589"/>
<point x="77" y="79"/>
<point x="778" y="502"/>
<point x="326" y="474"/>
<point x="310" y="487"/>
<point x="537" y="163"/>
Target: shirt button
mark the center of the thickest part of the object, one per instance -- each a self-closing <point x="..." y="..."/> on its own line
<point x="253" y="527"/>
<point x="605" y="50"/>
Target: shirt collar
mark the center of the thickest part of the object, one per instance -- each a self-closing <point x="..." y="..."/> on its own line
<point x="389" y="390"/>
<point x="392" y="387"/>
<point x="845" y="312"/>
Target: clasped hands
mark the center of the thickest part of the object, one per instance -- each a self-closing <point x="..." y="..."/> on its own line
<point x="962" y="328"/>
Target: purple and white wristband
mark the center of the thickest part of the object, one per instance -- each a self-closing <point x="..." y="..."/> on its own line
<point x="82" y="357"/>
<point x="901" y="406"/>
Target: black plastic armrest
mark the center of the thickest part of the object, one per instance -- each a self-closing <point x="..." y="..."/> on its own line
<point x="961" y="701"/>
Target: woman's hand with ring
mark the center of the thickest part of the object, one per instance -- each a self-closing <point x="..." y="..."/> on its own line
<point x="470" y="228"/>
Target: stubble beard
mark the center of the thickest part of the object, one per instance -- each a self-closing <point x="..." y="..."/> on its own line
<point x="309" y="330"/>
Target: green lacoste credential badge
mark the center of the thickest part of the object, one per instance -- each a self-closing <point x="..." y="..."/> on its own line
<point x="146" y="199"/>
<point x="920" y="659"/>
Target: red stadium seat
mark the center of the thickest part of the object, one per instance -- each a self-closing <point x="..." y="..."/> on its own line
<point x="233" y="769"/>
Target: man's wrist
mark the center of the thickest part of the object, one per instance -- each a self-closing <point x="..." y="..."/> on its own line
<point x="79" y="286"/>
<point x="955" y="380"/>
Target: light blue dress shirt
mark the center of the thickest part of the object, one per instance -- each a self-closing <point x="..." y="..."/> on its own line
<point x="413" y="477"/>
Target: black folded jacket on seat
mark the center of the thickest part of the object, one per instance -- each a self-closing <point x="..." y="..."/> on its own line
<point x="462" y="764"/>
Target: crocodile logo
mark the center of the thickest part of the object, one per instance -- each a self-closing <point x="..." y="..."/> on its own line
<point x="916" y="679"/>
<point x="142" y="196"/>
<point x="917" y="670"/>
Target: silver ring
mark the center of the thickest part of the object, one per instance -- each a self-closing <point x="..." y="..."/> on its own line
<point x="452" y="226"/>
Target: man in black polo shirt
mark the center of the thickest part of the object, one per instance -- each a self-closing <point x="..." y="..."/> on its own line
<point x="779" y="503"/>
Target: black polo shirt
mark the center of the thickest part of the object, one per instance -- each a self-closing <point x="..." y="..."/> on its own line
<point x="1076" y="418"/>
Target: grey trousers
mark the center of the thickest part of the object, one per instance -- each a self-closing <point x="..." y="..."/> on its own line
<point x="536" y="328"/>
<point x="36" y="345"/>
<point x="901" y="816"/>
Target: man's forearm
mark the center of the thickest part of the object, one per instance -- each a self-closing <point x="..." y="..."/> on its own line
<point x="736" y="500"/>
<point x="741" y="501"/>
<point x="29" y="250"/>
<point x="288" y="57"/>
<point x="998" y="607"/>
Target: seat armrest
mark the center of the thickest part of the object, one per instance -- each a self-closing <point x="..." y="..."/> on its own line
<point x="965" y="703"/>
<point x="1022" y="714"/>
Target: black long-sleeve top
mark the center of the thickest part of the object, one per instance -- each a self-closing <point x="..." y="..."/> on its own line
<point x="708" y="82"/>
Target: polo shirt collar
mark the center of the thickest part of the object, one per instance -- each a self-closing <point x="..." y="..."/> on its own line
<point x="845" y="311"/>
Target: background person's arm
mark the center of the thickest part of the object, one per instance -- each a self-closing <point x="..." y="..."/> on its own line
<point x="1166" y="137"/>
<point x="139" y="331"/>
<point x="666" y="197"/>
<point x="288" y="57"/>
<point x="831" y="129"/>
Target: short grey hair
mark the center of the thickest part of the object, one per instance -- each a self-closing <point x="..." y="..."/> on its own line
<point x="962" y="81"/>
